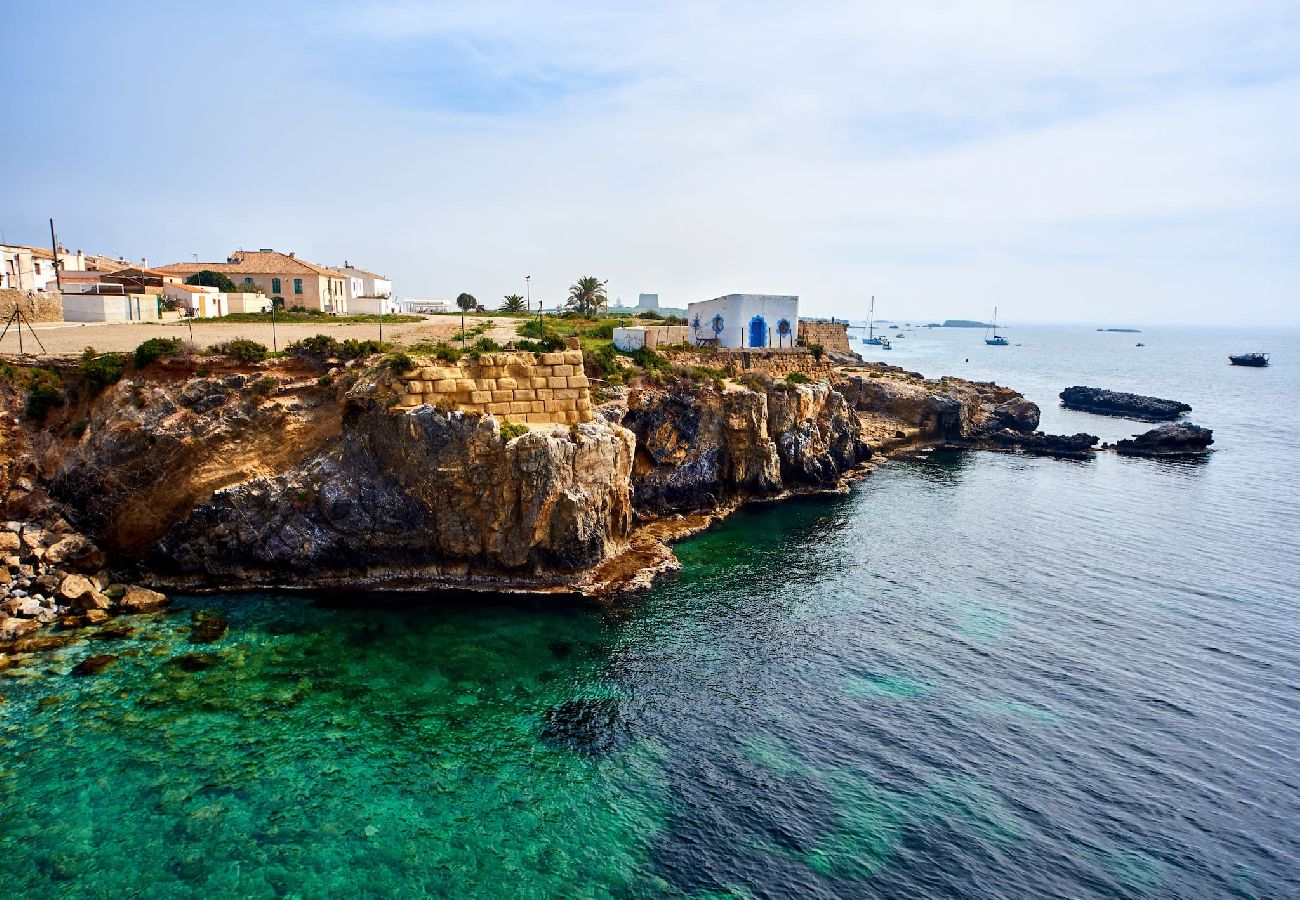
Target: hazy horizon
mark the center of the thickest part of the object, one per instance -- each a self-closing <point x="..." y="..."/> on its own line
<point x="1105" y="164"/>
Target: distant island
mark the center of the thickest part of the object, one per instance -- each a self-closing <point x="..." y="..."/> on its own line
<point x="963" y="323"/>
<point x="1124" y="330"/>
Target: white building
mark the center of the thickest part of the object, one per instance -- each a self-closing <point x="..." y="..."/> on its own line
<point x="199" y="301"/>
<point x="366" y="292"/>
<point x="745" y="320"/>
<point x="647" y="301"/>
<point x="424" y="306"/>
<point x="32" y="268"/>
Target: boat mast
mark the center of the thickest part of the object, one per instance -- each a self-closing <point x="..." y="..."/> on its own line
<point x="871" y="315"/>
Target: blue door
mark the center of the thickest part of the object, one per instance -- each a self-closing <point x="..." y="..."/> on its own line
<point x="757" y="332"/>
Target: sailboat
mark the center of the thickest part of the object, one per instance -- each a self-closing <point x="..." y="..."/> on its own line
<point x="997" y="340"/>
<point x="871" y="331"/>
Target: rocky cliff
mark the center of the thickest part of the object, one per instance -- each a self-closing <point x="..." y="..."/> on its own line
<point x="699" y="446"/>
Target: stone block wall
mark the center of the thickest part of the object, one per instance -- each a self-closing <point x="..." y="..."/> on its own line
<point x="37" y="306"/>
<point x="775" y="362"/>
<point x="834" y="336"/>
<point x="526" y="388"/>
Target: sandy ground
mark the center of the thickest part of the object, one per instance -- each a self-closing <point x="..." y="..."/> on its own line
<point x="62" y="338"/>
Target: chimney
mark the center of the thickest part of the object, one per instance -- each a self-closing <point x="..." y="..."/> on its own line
<point x="291" y="256"/>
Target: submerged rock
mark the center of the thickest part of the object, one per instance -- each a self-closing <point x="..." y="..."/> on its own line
<point x="594" y="727"/>
<point x="93" y="665"/>
<point x="1177" y="439"/>
<point x="207" y="628"/>
<point x="195" y="662"/>
<point x="1120" y="403"/>
<point x="138" y="599"/>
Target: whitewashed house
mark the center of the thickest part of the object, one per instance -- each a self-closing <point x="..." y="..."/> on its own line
<point x="743" y="321"/>
<point x="199" y="301"/>
<point x="424" y="306"/>
<point x="366" y="292"/>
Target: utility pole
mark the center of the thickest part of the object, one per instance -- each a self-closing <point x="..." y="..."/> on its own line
<point x="54" y="245"/>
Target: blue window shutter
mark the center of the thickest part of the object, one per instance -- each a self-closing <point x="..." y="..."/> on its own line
<point x="275" y="285"/>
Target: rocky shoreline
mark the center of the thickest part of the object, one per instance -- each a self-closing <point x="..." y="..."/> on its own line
<point x="210" y="475"/>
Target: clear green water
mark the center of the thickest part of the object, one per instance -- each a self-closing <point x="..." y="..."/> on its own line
<point x="977" y="675"/>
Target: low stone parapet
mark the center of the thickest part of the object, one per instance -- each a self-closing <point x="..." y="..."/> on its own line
<point x="773" y="361"/>
<point x="526" y="388"/>
<point x="36" y="306"/>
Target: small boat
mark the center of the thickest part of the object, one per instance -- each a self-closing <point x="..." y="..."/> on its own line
<point x="871" y="338"/>
<point x="997" y="340"/>
<point x="1249" y="359"/>
<point x="1140" y="344"/>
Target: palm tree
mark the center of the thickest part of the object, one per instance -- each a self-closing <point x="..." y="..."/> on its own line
<point x="513" y="303"/>
<point x="587" y="296"/>
<point x="467" y="303"/>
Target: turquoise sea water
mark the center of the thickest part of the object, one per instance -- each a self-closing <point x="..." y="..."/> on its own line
<point x="976" y="675"/>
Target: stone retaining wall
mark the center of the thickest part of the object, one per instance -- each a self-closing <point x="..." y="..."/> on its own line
<point x="834" y="336"/>
<point x="37" y="306"/>
<point x="527" y="388"/>
<point x="775" y="362"/>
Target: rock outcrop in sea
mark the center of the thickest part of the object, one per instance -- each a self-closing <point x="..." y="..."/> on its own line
<point x="1120" y="403"/>
<point x="1174" y="439"/>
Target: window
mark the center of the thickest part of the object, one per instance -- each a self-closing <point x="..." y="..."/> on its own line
<point x="248" y="281"/>
<point x="297" y="285"/>
<point x="275" y="285"/>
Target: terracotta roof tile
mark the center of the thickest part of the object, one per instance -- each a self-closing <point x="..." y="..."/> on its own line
<point x="254" y="262"/>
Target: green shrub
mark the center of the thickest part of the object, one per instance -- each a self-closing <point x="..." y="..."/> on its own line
<point x="549" y="344"/>
<point x="756" y="381"/>
<point x="398" y="362"/>
<point x="241" y="349"/>
<point x="101" y="369"/>
<point x="650" y="314"/>
<point x="78" y="428"/>
<point x="533" y="328"/>
<point x="705" y="373"/>
<point x="156" y="348"/>
<point x="486" y="345"/>
<point x="649" y="360"/>
<point x="512" y="430"/>
<point x="325" y="380"/>
<point x="603" y="331"/>
<point x="46" y="392"/>
<point x="796" y="378"/>
<point x="264" y="385"/>
<point x="817" y="350"/>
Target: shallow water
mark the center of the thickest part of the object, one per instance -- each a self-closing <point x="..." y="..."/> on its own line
<point x="976" y="675"/>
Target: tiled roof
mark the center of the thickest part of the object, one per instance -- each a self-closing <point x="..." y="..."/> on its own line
<point x="194" y="288"/>
<point x="254" y="262"/>
<point x="353" y="270"/>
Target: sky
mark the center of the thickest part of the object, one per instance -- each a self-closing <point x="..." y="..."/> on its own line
<point x="1105" y="162"/>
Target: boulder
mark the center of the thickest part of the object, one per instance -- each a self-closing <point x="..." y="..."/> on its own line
<point x="93" y="600"/>
<point x="1120" y="403"/>
<point x="34" y="536"/>
<point x="12" y="628"/>
<point x="9" y="541"/>
<point x="207" y="627"/>
<point x="1017" y="414"/>
<point x="74" y="587"/>
<point x="94" y="617"/>
<point x="137" y="599"/>
<point x="1175" y="439"/>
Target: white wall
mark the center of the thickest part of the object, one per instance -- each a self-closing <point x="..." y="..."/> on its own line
<point x="108" y="308"/>
<point x="629" y="338"/>
<point x="738" y="312"/>
<point x="371" y="305"/>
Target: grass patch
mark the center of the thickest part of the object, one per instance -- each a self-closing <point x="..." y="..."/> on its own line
<point x="797" y="378"/>
<point x="512" y="430"/>
<point x="294" y="316"/>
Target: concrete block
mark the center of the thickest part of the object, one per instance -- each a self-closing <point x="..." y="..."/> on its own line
<point x="557" y="381"/>
<point x="446" y="386"/>
<point x="566" y="393"/>
<point x="538" y="406"/>
<point x="480" y="397"/>
<point x="502" y="396"/>
<point x="572" y="357"/>
<point x="566" y="371"/>
<point x="543" y="394"/>
<point x="578" y="381"/>
<point x="551" y="359"/>
<point x="537" y="382"/>
<point x="520" y="407"/>
<point x="506" y="383"/>
<point x="487" y="384"/>
<point x="498" y="409"/>
<point x="525" y="395"/>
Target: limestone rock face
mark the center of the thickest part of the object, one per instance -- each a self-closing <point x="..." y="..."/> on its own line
<point x="698" y="446"/>
<point x="948" y="409"/>
<point x="1121" y="403"/>
<point x="425" y="496"/>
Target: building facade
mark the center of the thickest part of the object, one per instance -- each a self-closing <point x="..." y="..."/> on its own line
<point x="281" y="277"/>
<point x="366" y="292"/>
<point x="743" y="321"/>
